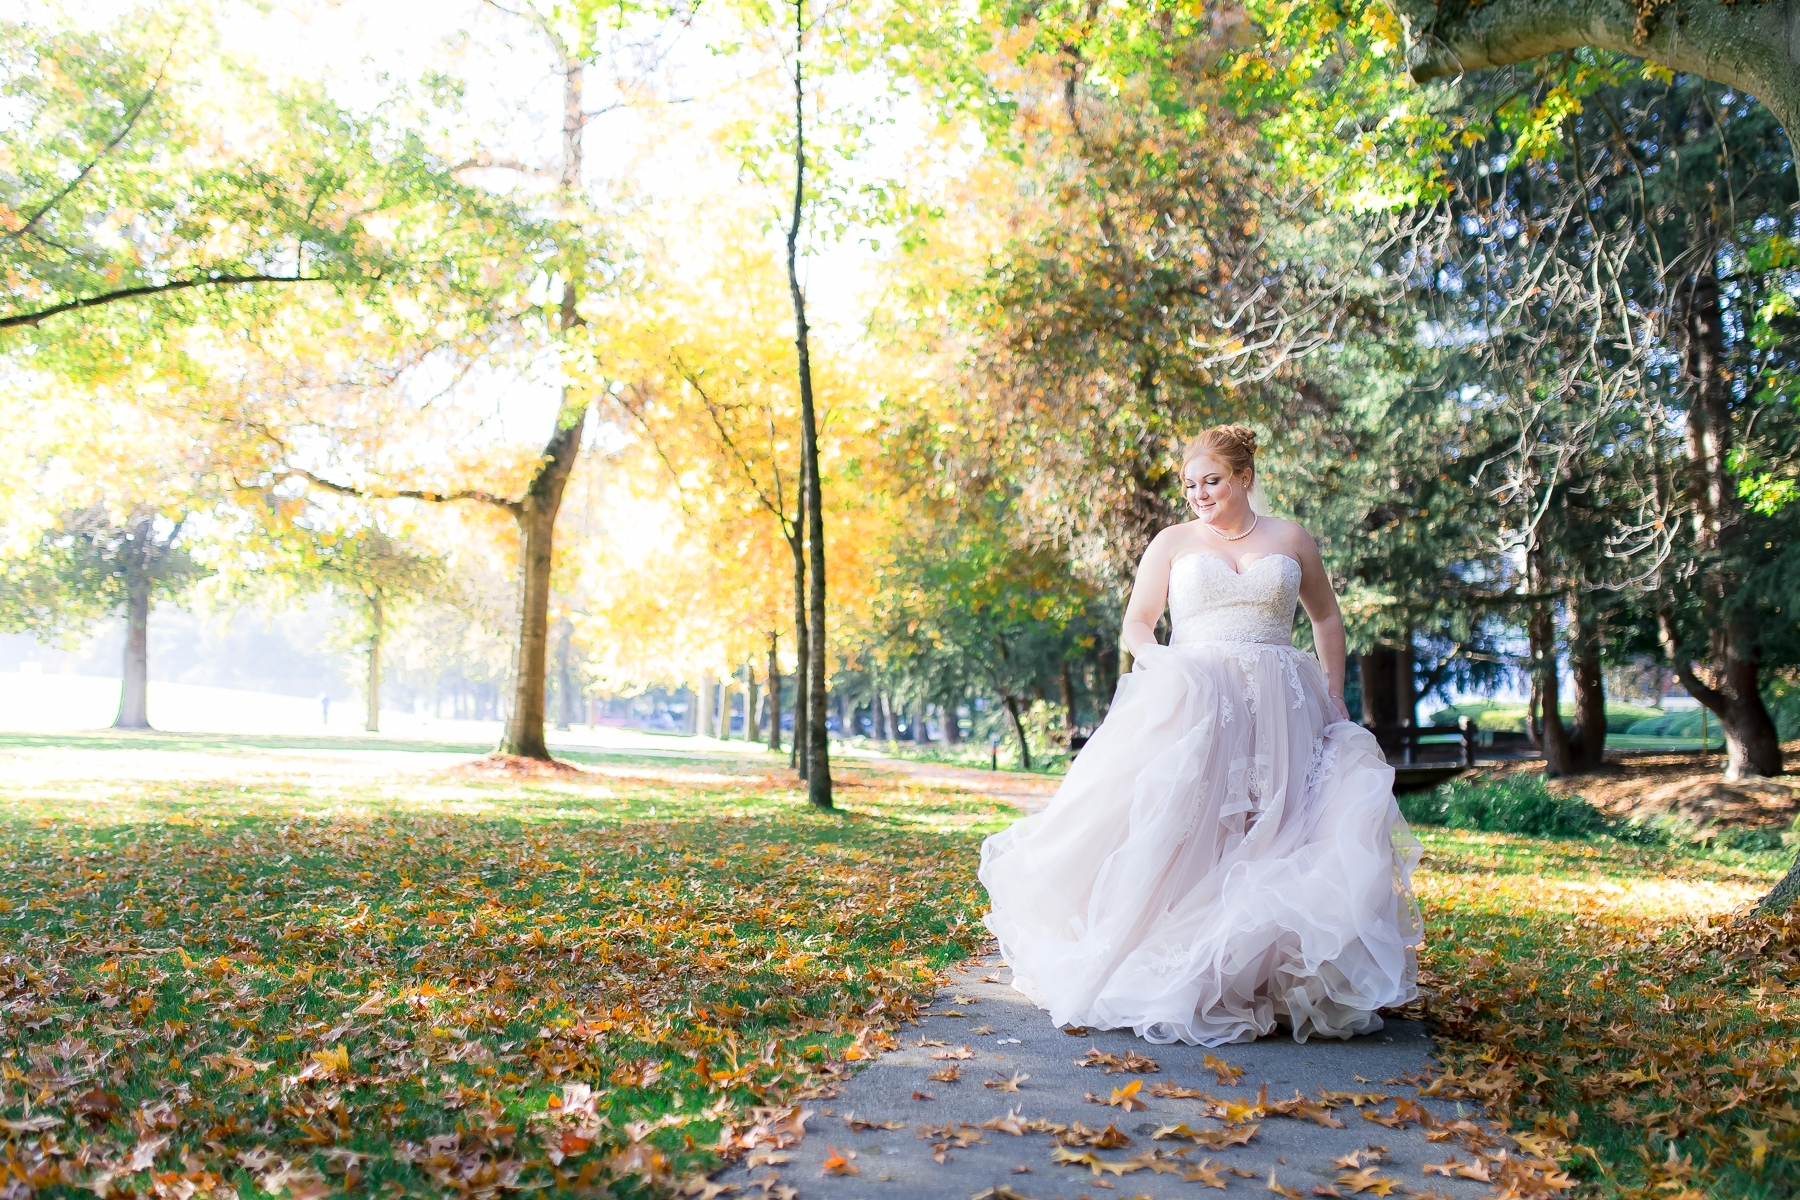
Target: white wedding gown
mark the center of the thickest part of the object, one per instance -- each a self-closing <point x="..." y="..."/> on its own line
<point x="1224" y="854"/>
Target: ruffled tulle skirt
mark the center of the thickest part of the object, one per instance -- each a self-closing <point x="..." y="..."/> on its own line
<point x="1223" y="857"/>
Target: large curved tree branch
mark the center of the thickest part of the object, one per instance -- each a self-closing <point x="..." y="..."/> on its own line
<point x="344" y="489"/>
<point x="20" y="320"/>
<point x="1753" y="46"/>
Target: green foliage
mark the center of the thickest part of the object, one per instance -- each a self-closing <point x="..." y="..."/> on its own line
<point x="151" y="180"/>
<point x="1516" y="803"/>
<point x="84" y="567"/>
<point x="966" y="612"/>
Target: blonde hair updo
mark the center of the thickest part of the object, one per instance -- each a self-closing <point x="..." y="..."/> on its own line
<point x="1233" y="445"/>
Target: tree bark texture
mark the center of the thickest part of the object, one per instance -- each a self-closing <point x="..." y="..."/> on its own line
<point x="536" y="518"/>
<point x="1751" y="46"/>
<point x="134" y="675"/>
<point x="1106" y="669"/>
<point x="1066" y="686"/>
<point x="1542" y="630"/>
<point x="751" y="715"/>
<point x="802" y="746"/>
<point x="1382" y="668"/>
<point x="774" y="695"/>
<point x="1018" y="727"/>
<point x="1587" y="741"/>
<point x="818" y="758"/>
<point x="1734" y="653"/>
<point x="372" y="690"/>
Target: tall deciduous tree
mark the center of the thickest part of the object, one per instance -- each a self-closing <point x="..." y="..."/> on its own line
<point x="91" y="564"/>
<point x="381" y="576"/>
<point x="818" y="743"/>
<point x="581" y="38"/>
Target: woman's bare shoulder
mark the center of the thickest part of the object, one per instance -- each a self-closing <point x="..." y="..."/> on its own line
<point x="1290" y="534"/>
<point x="1170" y="537"/>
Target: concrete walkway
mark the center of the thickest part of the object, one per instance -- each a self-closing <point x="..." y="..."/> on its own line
<point x="903" y="1130"/>
<point x="1026" y="792"/>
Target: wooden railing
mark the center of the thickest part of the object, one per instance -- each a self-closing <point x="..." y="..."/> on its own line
<point x="1406" y="745"/>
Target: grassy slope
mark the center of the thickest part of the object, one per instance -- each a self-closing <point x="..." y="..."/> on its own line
<point x="241" y="973"/>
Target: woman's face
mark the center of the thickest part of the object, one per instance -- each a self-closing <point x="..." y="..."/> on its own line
<point x="1210" y="490"/>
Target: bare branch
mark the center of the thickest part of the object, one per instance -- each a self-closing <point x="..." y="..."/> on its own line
<point x="131" y="120"/>
<point x="514" y="507"/>
<point x="20" y="320"/>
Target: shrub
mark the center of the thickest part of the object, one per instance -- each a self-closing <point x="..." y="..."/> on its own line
<point x="1683" y="723"/>
<point x="1511" y="804"/>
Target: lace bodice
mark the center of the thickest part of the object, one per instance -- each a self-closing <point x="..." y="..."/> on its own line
<point x="1209" y="602"/>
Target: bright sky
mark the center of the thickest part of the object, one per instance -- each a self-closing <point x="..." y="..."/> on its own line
<point x="661" y="155"/>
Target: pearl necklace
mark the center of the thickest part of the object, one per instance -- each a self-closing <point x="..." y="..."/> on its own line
<point x="1238" y="537"/>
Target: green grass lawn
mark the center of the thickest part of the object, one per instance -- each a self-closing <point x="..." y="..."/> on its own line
<point x="280" y="967"/>
<point x="236" y="962"/>
<point x="1596" y="993"/>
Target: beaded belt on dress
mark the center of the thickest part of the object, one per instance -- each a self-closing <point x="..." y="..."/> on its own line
<point x="1234" y="640"/>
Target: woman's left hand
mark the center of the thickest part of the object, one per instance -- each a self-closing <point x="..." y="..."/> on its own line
<point x="1338" y="707"/>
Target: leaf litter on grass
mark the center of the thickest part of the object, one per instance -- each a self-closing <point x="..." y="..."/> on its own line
<point x="1624" y="1025"/>
<point x="480" y="984"/>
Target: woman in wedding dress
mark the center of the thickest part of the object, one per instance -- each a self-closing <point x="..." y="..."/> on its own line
<point x="1225" y="855"/>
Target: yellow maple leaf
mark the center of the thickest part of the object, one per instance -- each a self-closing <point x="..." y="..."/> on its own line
<point x="1758" y="1141"/>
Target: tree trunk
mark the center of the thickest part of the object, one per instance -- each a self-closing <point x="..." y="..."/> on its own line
<point x="1012" y="710"/>
<point x="921" y="725"/>
<point x="536" y="513"/>
<point x="1587" y="744"/>
<point x="1542" y="630"/>
<point x="802" y="747"/>
<point x="952" y="722"/>
<point x="1107" y="665"/>
<point x="818" y="764"/>
<point x="1066" y="685"/>
<point x="372" y="691"/>
<point x="536" y="517"/>
<point x="1380" y="699"/>
<point x="1734" y="650"/>
<point x="566" y="691"/>
<point x="703" y="707"/>
<point x="774" y="695"/>
<point x="1405" y="684"/>
<point x="750" y="698"/>
<point x="1749" y="46"/>
<point x="1534" y="713"/>
<point x="134" y="676"/>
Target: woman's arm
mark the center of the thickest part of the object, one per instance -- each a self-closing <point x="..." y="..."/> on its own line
<point x="1149" y="595"/>
<point x="1327" y="619"/>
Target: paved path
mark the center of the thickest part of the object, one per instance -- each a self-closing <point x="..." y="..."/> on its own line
<point x="1009" y="1038"/>
<point x="1025" y="791"/>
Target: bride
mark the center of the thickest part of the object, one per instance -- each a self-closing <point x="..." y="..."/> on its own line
<point x="1225" y="856"/>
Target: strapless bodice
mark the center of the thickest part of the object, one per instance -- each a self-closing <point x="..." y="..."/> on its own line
<point x="1209" y="602"/>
